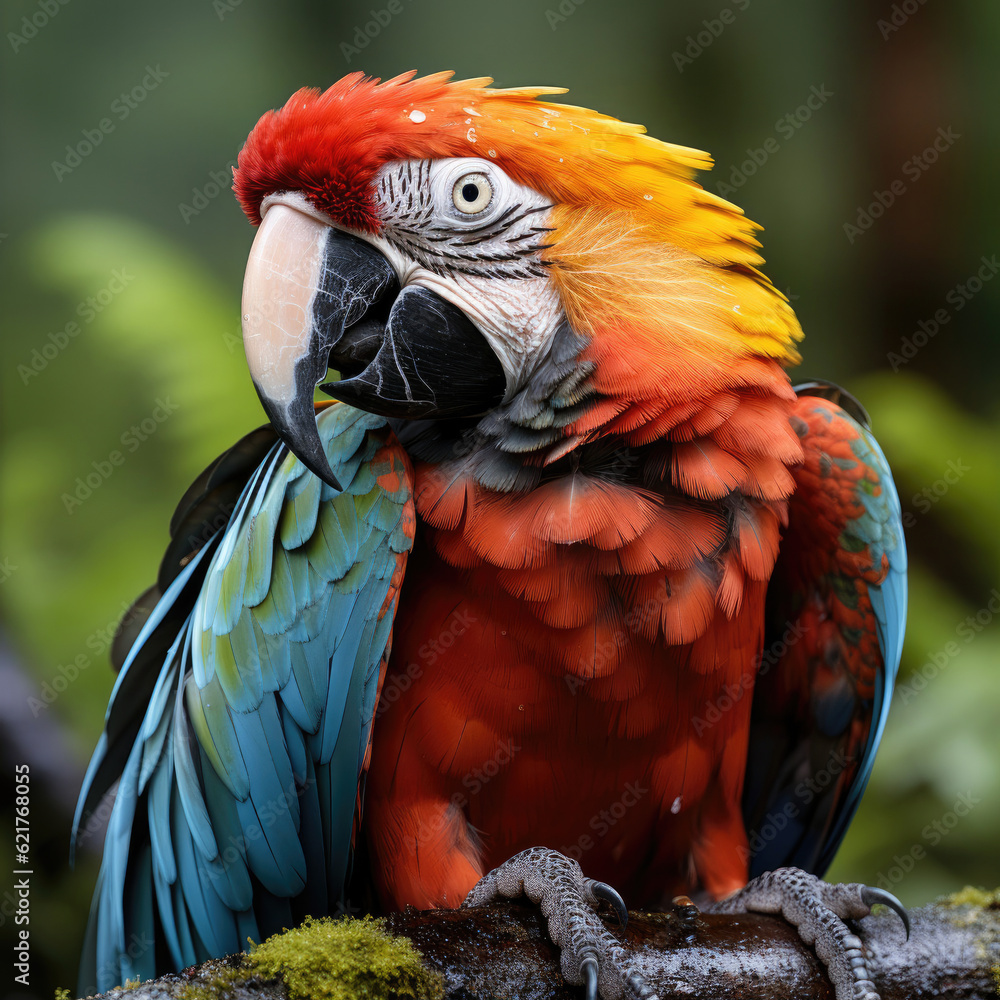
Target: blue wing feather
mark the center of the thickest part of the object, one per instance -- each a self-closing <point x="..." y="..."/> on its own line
<point x="258" y="670"/>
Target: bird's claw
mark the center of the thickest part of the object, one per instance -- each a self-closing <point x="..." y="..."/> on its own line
<point x="871" y="895"/>
<point x="588" y="969"/>
<point x="589" y="954"/>
<point x="610" y="895"/>
<point x="687" y="914"/>
<point x="818" y="911"/>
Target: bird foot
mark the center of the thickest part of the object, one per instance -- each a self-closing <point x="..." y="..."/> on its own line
<point x="590" y="954"/>
<point x="817" y="910"/>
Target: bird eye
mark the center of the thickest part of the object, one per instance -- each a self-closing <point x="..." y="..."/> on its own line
<point x="472" y="193"/>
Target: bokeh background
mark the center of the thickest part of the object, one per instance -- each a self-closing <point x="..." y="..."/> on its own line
<point x="814" y="112"/>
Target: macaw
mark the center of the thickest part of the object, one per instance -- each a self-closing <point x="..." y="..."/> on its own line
<point x="570" y="572"/>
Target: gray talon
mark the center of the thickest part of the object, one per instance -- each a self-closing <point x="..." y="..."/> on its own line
<point x="822" y="913"/>
<point x="588" y="969"/>
<point x="604" y="891"/>
<point x="589" y="952"/>
<point x="871" y="895"/>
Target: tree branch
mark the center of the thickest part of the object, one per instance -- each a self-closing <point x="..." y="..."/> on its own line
<point x="502" y="952"/>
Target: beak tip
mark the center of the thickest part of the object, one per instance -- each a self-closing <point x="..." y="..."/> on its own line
<point x="313" y="458"/>
<point x="296" y="427"/>
<point x="328" y="477"/>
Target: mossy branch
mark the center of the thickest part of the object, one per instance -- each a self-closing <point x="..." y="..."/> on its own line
<point x="503" y="953"/>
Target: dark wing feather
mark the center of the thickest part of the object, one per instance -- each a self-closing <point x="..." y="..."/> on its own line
<point x="836" y="616"/>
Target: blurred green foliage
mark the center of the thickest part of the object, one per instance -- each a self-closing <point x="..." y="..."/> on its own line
<point x="141" y="247"/>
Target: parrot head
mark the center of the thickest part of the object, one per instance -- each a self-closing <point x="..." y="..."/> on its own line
<point x="455" y="250"/>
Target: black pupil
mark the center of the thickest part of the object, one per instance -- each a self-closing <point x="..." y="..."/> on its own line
<point x="470" y="191"/>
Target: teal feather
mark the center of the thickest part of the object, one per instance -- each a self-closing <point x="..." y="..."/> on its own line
<point x="298" y="517"/>
<point x="270" y="815"/>
<point x="316" y="897"/>
<point x="275" y="657"/>
<point x="295" y="744"/>
<point x="134" y="961"/>
<point x="276" y="612"/>
<point x="247" y="747"/>
<point x="159" y="717"/>
<point x="346" y="681"/>
<point x="313" y="618"/>
<point x="331" y="549"/>
<point x="184" y="931"/>
<point x="261" y="550"/>
<point x="229" y="872"/>
<point x="243" y="688"/>
<point x="298" y="571"/>
<point x="164" y="890"/>
<point x="158" y="818"/>
<point x="363" y="483"/>
<point x="188" y="785"/>
<point x="213" y="722"/>
<point x="208" y="916"/>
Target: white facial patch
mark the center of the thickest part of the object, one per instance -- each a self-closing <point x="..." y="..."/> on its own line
<point x="463" y="229"/>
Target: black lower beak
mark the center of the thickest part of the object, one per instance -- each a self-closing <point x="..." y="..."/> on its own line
<point x="425" y="359"/>
<point x="316" y="297"/>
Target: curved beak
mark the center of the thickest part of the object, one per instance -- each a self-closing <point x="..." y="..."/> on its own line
<point x="315" y="296"/>
<point x="304" y="283"/>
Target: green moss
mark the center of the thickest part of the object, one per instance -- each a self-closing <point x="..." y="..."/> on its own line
<point x="971" y="896"/>
<point x="343" y="960"/>
<point x="63" y="994"/>
<point x="217" y="980"/>
<point x="970" y="903"/>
